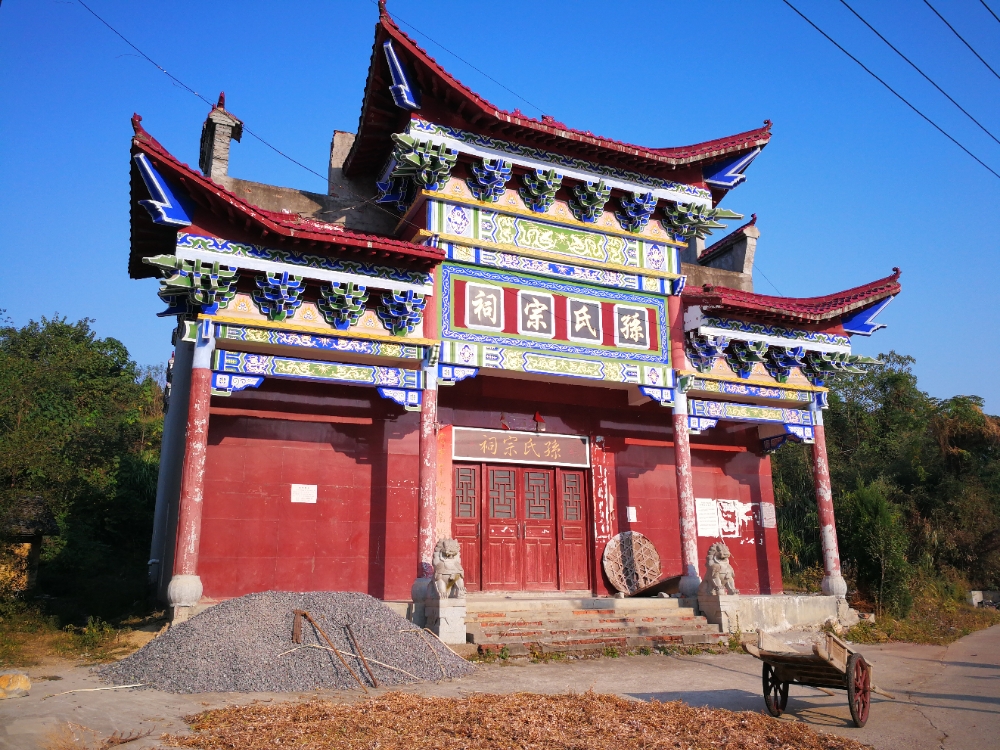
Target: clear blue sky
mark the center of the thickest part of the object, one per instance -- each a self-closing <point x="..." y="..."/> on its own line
<point x="852" y="184"/>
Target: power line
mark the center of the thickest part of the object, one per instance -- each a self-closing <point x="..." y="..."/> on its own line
<point x="756" y="266"/>
<point x="914" y="66"/>
<point x="892" y="90"/>
<point x="457" y="57"/>
<point x="187" y="88"/>
<point x="990" y="10"/>
<point x="962" y="38"/>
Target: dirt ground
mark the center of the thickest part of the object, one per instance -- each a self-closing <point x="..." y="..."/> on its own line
<point x="946" y="696"/>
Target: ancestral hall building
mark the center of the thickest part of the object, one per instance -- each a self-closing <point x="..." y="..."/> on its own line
<point x="492" y="328"/>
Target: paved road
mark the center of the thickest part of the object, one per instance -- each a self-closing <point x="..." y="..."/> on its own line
<point x="947" y="697"/>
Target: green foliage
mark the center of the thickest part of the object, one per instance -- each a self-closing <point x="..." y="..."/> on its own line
<point x="916" y="487"/>
<point x="873" y="533"/>
<point x="80" y="427"/>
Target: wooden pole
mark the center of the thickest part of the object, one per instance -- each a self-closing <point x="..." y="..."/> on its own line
<point x="690" y="580"/>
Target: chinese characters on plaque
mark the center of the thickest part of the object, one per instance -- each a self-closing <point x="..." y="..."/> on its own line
<point x="536" y="314"/>
<point x="584" y="324"/>
<point x="586" y="320"/>
<point x="509" y="446"/>
<point x="484" y="307"/>
<point x="631" y="327"/>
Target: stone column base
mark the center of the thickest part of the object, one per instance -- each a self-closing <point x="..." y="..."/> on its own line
<point x="834" y="585"/>
<point x="446" y="619"/>
<point x="181" y="614"/>
<point x="418" y="594"/>
<point x="184" y="591"/>
<point x="688" y="585"/>
<point x="722" y="610"/>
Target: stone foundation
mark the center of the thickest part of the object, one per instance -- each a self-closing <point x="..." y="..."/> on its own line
<point x="774" y="614"/>
<point x="446" y="619"/>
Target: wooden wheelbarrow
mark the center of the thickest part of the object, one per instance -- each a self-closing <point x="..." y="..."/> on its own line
<point x="832" y="664"/>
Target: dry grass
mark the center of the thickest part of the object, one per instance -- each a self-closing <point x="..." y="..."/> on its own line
<point x="585" y="721"/>
<point x="28" y="637"/>
<point x="71" y="736"/>
<point x="931" y="621"/>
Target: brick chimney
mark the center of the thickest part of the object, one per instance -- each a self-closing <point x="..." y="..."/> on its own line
<point x="220" y="127"/>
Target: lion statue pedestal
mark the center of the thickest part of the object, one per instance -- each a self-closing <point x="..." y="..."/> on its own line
<point x="718" y="597"/>
<point x="444" y="594"/>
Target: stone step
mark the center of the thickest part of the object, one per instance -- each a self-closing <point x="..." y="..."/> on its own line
<point x="476" y="603"/>
<point x="525" y="635"/>
<point x="600" y="644"/>
<point x="555" y="623"/>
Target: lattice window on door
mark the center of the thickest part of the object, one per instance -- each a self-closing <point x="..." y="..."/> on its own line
<point x="502" y="493"/>
<point x="538" y="494"/>
<point x="572" y="498"/>
<point x="465" y="492"/>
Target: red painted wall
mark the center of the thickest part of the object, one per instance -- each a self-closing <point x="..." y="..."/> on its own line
<point x="641" y="476"/>
<point x="360" y="535"/>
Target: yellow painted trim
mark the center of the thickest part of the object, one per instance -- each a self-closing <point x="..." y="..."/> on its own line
<point x="753" y="381"/>
<point x="570" y="222"/>
<point x="558" y="257"/>
<point x="285" y="326"/>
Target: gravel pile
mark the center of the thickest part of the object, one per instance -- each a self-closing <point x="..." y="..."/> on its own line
<point x="245" y="645"/>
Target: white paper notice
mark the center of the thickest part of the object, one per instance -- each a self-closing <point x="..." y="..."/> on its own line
<point x="630" y="511"/>
<point x="768" y="520"/>
<point x="707" y="513"/>
<point x="303" y="493"/>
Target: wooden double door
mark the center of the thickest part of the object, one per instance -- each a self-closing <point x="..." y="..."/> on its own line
<point x="521" y="528"/>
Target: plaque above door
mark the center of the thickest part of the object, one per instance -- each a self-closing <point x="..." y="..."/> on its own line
<point x="514" y="447"/>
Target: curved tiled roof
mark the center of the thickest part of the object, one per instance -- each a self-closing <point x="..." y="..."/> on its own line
<point x="793" y="309"/>
<point x="545" y="132"/>
<point x="277" y="227"/>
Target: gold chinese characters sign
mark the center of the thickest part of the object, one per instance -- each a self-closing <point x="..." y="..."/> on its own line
<point x="512" y="447"/>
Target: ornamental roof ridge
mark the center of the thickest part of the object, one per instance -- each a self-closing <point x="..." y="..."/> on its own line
<point x="286" y="225"/>
<point x="727" y="241"/>
<point x="670" y="156"/>
<point x="795" y="309"/>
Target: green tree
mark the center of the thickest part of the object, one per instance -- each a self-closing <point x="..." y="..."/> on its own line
<point x="80" y="426"/>
<point x="924" y="469"/>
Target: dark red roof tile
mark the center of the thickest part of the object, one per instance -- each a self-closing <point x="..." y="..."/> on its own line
<point x="793" y="309"/>
<point x="280" y="224"/>
<point x="670" y="157"/>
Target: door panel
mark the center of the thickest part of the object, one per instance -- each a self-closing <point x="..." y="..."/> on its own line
<point x="501" y="553"/>
<point x="465" y="520"/>
<point x="539" y="526"/>
<point x="521" y="528"/>
<point x="572" y="509"/>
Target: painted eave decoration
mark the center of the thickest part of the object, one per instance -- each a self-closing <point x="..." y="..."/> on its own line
<point x="164" y="206"/>
<point x="249" y="222"/>
<point x="862" y="323"/>
<point x="808" y="310"/>
<point x="445" y="99"/>
<point x="728" y="174"/>
<point x="403" y="93"/>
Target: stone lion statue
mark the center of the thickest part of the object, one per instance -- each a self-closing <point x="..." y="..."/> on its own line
<point x="719" y="578"/>
<point x="449" y="576"/>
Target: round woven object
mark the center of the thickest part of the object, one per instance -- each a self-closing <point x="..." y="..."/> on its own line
<point x="631" y="562"/>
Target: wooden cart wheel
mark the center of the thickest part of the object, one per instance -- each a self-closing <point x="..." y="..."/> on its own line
<point x="859" y="688"/>
<point x="775" y="691"/>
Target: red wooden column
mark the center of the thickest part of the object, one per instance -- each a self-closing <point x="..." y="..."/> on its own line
<point x="833" y="582"/>
<point x="185" y="587"/>
<point x="690" y="580"/>
<point x="427" y="508"/>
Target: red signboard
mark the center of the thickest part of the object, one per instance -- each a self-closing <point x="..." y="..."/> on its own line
<point x="509" y="446"/>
